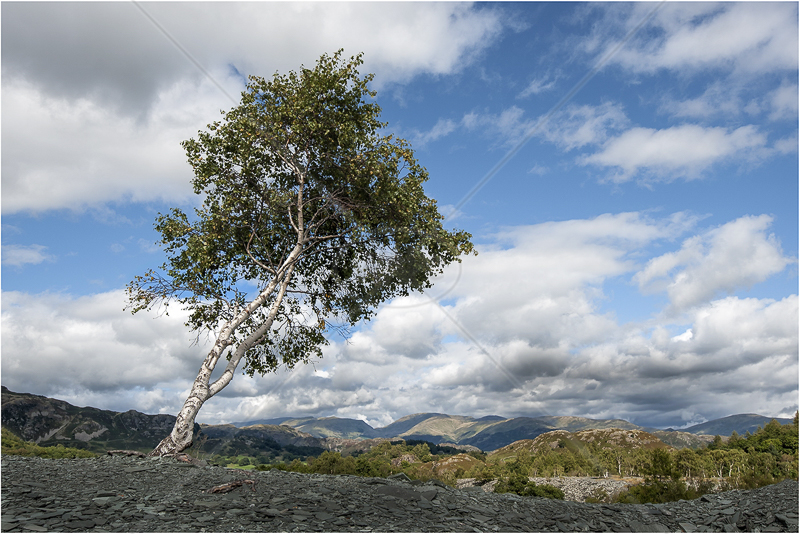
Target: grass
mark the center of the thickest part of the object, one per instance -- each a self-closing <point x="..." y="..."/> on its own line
<point x="14" y="445"/>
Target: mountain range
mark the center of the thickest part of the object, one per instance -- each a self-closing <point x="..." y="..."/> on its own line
<point x="493" y="432"/>
<point x="49" y="421"/>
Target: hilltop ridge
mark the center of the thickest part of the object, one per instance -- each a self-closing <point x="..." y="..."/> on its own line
<point x="49" y="421"/>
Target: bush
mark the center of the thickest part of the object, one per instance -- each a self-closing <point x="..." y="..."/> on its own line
<point x="520" y="485"/>
<point x="14" y="445"/>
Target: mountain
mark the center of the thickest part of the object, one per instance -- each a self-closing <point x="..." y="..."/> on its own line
<point x="485" y="433"/>
<point x="748" y="422"/>
<point x="50" y="421"/>
<point x="436" y="427"/>
<point x="274" y="421"/>
<point x="682" y="440"/>
<point x="334" y="427"/>
<point x="493" y="432"/>
<point x="404" y="424"/>
<point x="47" y="421"/>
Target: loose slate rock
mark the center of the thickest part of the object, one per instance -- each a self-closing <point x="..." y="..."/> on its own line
<point x="128" y="494"/>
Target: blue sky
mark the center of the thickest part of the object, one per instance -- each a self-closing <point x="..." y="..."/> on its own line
<point x="637" y="253"/>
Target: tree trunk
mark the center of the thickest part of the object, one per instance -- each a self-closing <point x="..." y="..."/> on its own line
<point x="180" y="438"/>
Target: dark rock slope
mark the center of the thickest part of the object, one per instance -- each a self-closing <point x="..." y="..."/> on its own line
<point x="116" y="494"/>
<point x="49" y="421"/>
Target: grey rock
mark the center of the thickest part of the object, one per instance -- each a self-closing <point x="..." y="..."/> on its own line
<point x="115" y="494"/>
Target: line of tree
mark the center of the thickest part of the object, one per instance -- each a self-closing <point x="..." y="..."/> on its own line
<point x="769" y="455"/>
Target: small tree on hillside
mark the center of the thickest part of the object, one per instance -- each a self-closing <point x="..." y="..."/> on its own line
<point x="311" y="217"/>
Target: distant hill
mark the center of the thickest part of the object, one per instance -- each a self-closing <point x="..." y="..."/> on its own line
<point x="605" y="438"/>
<point x="334" y="427"/>
<point x="50" y="421"/>
<point x="274" y="421"/>
<point x="485" y="433"/>
<point x="493" y="432"/>
<point x="404" y="424"/>
<point x="748" y="422"/>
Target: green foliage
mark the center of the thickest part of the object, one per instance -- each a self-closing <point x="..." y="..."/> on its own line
<point x="661" y="467"/>
<point x="755" y="460"/>
<point x="305" y="198"/>
<point x="373" y="463"/>
<point x="520" y="485"/>
<point x="13" y="445"/>
<point x="660" y="491"/>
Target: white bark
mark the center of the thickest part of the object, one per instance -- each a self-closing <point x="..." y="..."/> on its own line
<point x="181" y="436"/>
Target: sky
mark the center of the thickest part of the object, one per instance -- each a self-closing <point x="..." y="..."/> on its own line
<point x="628" y="172"/>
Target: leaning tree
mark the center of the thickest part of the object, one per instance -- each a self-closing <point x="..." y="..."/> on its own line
<point x="310" y="218"/>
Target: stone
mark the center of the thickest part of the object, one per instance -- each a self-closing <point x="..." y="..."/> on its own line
<point x="115" y="494"/>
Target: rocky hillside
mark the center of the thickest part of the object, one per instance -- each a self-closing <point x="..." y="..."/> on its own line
<point x="610" y="438"/>
<point x="47" y="421"/>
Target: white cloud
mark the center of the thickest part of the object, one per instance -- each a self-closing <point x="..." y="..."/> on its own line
<point x="71" y="154"/>
<point x="58" y="43"/>
<point x="57" y="344"/>
<point x="532" y="300"/>
<point x="787" y="145"/>
<point x="731" y="97"/>
<point x="509" y="126"/>
<point x="442" y="128"/>
<point x="783" y="102"/>
<point x="719" y="99"/>
<point x="19" y="255"/>
<point x="735" y="255"/>
<point x="96" y="100"/>
<point x="678" y="151"/>
<point x="537" y="85"/>
<point x="578" y="126"/>
<point x="746" y="38"/>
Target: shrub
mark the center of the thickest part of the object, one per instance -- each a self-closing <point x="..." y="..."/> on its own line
<point x="520" y="485"/>
<point x="14" y="445"/>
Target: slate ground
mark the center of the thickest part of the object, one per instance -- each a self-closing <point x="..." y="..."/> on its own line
<point x="121" y="494"/>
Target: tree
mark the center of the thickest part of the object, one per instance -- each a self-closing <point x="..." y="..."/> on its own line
<point x="310" y="218"/>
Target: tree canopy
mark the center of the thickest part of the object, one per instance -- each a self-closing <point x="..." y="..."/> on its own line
<point x="311" y="216"/>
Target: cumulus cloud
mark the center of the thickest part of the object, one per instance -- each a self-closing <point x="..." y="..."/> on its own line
<point x="686" y="150"/>
<point x="744" y="38"/>
<point x="645" y="154"/>
<point x="735" y="255"/>
<point x="539" y="342"/>
<point x="783" y="102"/>
<point x="58" y="345"/>
<point x="742" y="350"/>
<point x="731" y="98"/>
<point x="19" y="255"/>
<point x="88" y="118"/>
<point x="720" y="99"/>
<point x="509" y="126"/>
<point x="579" y="126"/>
<point x="80" y="49"/>
<point x="59" y="153"/>
<point x="442" y="128"/>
